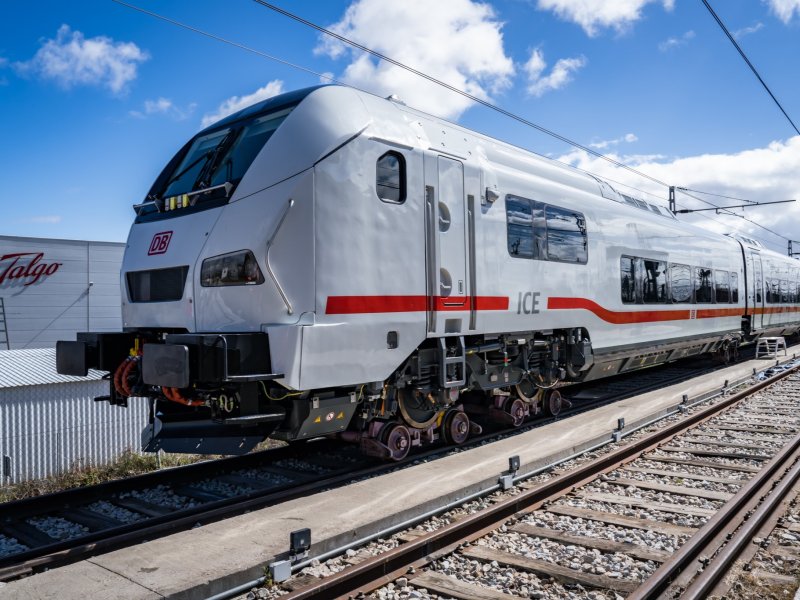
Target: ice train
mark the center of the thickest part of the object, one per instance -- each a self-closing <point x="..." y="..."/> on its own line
<point x="328" y="262"/>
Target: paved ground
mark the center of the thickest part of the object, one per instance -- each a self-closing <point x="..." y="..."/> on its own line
<point x="210" y="559"/>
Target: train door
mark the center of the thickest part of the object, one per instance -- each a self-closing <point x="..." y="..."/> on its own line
<point x="446" y="246"/>
<point x="759" y="321"/>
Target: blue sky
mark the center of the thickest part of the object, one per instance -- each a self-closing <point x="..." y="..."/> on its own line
<point x="96" y="97"/>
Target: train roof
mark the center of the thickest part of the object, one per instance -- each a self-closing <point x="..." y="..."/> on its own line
<point x="314" y="133"/>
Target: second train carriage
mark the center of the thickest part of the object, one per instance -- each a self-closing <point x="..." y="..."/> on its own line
<point x="329" y="262"/>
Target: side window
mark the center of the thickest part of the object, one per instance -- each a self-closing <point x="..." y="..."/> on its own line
<point x="784" y="291"/>
<point x="520" y="227"/>
<point x="681" y="283"/>
<point x="627" y="279"/>
<point x="703" y="287"/>
<point x="566" y="235"/>
<point x="654" y="289"/>
<point x="734" y="288"/>
<point x="773" y="291"/>
<point x="792" y="292"/>
<point x="722" y="287"/>
<point x="390" y="177"/>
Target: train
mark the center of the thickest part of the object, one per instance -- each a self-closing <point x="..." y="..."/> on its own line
<point x="332" y="263"/>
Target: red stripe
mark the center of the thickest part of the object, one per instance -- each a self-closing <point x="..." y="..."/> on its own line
<point x="649" y="316"/>
<point x="349" y="305"/>
<point x="617" y="318"/>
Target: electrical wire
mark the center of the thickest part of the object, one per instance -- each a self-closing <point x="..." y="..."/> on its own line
<point x="723" y="211"/>
<point x="475" y="99"/>
<point x="719" y="195"/>
<point x="457" y="90"/>
<point x="227" y="41"/>
<point x="749" y="64"/>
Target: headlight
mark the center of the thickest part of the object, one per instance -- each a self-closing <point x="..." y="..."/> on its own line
<point x="234" y="268"/>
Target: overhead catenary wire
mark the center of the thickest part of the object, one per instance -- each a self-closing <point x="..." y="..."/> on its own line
<point x="749" y="64"/>
<point x="459" y="91"/>
<point x="733" y="214"/>
<point x="227" y="41"/>
<point x="454" y="89"/>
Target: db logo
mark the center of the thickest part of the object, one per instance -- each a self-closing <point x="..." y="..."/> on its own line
<point x="160" y="243"/>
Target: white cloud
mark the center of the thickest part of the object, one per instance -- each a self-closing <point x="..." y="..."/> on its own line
<point x="459" y="42"/>
<point x="740" y="33"/>
<point x="784" y="9"/>
<point x="236" y="103"/>
<point x="71" y="59"/>
<point x="163" y="106"/>
<point x="760" y="174"/>
<point x="676" y="42"/>
<point x="593" y="15"/>
<point x="628" y="138"/>
<point x="559" y="76"/>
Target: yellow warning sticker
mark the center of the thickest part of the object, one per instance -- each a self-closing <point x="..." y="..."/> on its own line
<point x="318" y="420"/>
<point x="340" y="416"/>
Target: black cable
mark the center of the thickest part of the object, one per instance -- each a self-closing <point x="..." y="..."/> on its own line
<point x="718" y="195"/>
<point x="432" y="79"/>
<point x="452" y="88"/>
<point x="733" y="214"/>
<point x="222" y="39"/>
<point x="749" y="64"/>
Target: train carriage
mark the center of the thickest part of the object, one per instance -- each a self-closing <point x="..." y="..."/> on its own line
<point x="328" y="262"/>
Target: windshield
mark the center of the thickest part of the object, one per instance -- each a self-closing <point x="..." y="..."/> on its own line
<point x="223" y="155"/>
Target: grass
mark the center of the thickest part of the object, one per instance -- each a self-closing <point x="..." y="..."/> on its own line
<point x="81" y="475"/>
<point x="128" y="464"/>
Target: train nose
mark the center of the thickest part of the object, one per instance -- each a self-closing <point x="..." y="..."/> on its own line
<point x="159" y="268"/>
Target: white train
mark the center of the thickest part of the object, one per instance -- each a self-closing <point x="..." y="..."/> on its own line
<point x="330" y="262"/>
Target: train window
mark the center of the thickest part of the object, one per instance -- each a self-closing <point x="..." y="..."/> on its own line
<point x="390" y="178"/>
<point x="519" y="216"/>
<point x="566" y="235"/>
<point x="734" y="288"/>
<point x="628" y="280"/>
<point x="703" y="286"/>
<point x="654" y="281"/>
<point x="773" y="291"/>
<point x="792" y="292"/>
<point x="784" y="291"/>
<point x="680" y="277"/>
<point x="722" y="287"/>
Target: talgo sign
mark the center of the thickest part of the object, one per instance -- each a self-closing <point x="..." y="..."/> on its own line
<point x="26" y="267"/>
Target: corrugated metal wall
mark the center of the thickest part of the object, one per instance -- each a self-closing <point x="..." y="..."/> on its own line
<point x="47" y="429"/>
<point x="41" y="311"/>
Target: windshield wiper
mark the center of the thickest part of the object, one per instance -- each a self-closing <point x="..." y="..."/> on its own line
<point x="204" y="176"/>
<point x="204" y="156"/>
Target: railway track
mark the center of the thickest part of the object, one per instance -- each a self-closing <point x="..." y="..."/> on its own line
<point x="671" y="514"/>
<point x="50" y="530"/>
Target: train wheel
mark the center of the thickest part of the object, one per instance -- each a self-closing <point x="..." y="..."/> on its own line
<point x="416" y="408"/>
<point x="516" y="408"/>
<point x="398" y="439"/>
<point x="553" y="403"/>
<point x="455" y="427"/>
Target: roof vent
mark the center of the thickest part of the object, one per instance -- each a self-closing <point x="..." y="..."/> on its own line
<point x="395" y="98"/>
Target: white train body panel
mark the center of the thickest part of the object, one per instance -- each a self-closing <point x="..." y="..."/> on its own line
<point x="354" y="268"/>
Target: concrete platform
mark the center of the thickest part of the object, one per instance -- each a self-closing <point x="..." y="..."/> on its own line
<point x="213" y="558"/>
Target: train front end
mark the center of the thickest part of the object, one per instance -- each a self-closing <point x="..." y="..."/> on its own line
<point x="221" y="253"/>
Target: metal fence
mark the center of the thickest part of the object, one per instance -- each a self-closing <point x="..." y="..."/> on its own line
<point x="47" y="428"/>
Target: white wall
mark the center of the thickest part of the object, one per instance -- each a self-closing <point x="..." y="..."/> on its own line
<point x="48" y="429"/>
<point x="56" y="306"/>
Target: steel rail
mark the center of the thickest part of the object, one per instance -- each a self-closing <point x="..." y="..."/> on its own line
<point x="381" y="569"/>
<point x="74" y="549"/>
<point x="743" y="514"/>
